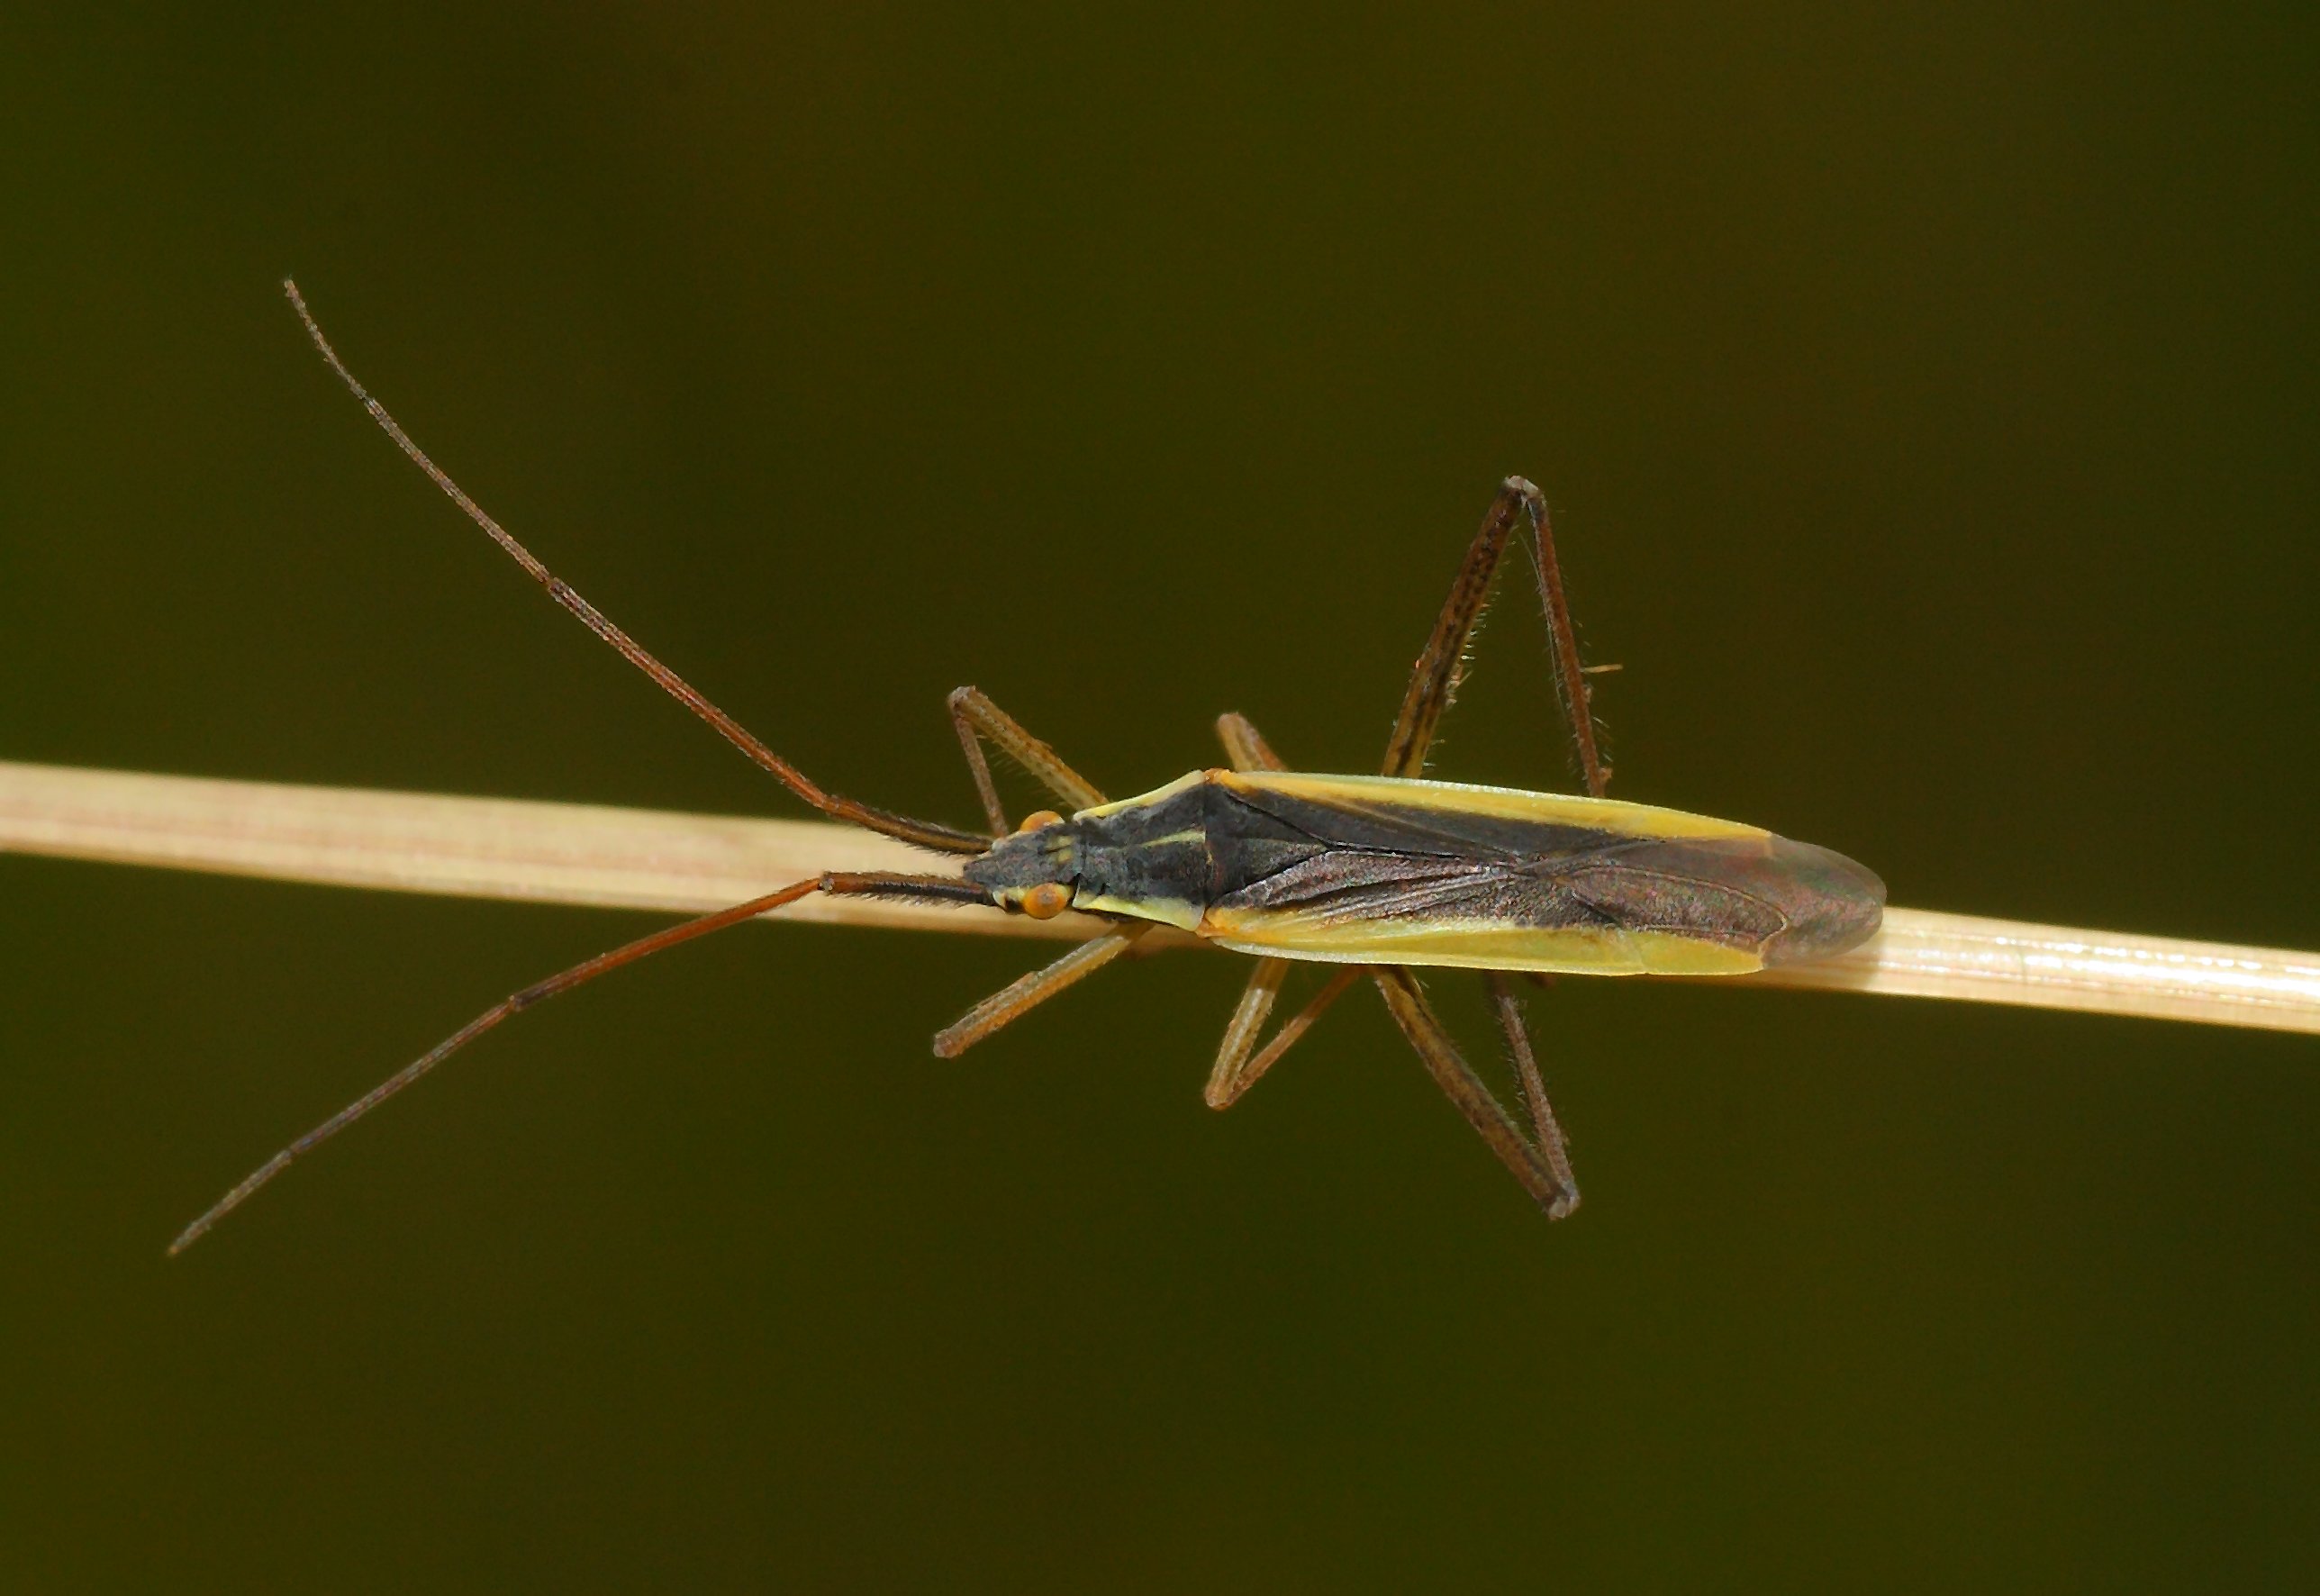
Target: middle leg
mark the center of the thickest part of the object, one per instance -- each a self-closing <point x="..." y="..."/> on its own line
<point x="1240" y="1063"/>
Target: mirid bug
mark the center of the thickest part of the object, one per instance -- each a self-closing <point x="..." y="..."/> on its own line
<point x="1375" y="874"/>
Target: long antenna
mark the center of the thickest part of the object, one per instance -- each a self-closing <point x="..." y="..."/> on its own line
<point x="937" y="889"/>
<point x="926" y="834"/>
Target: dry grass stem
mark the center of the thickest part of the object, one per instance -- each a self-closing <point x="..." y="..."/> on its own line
<point x="575" y="853"/>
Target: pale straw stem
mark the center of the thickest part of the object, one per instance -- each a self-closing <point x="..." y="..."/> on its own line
<point x="627" y="858"/>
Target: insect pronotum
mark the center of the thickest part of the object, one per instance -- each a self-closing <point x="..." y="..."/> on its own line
<point x="1375" y="875"/>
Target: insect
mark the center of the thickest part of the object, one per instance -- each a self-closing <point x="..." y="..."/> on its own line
<point x="1377" y="875"/>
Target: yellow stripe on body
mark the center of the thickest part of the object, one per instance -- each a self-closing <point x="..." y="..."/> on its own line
<point x="1474" y="944"/>
<point x="1509" y="803"/>
<point x="1166" y="912"/>
<point x="1143" y="799"/>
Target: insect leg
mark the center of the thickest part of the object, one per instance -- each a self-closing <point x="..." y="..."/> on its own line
<point x="938" y="889"/>
<point x="1256" y="1001"/>
<point x="1570" y="676"/>
<point x="1236" y="1071"/>
<point x="1551" y="1189"/>
<point x="974" y="716"/>
<point x="1433" y="679"/>
<point x="1018" y="997"/>
<point x="1546" y="1135"/>
<point x="1244" y="744"/>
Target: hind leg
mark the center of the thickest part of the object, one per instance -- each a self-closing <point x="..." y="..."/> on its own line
<point x="1433" y="679"/>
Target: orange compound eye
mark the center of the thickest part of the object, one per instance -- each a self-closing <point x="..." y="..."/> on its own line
<point x="1047" y="899"/>
<point x="1038" y="820"/>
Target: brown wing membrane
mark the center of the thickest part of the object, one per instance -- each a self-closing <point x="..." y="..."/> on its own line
<point x="1472" y="877"/>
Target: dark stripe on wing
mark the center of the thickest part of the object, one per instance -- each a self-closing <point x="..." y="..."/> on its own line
<point x="1409" y="829"/>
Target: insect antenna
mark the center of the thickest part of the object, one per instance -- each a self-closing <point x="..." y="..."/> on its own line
<point x="935" y="889"/>
<point x="925" y="834"/>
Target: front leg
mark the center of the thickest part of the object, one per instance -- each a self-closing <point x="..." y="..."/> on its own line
<point x="974" y="717"/>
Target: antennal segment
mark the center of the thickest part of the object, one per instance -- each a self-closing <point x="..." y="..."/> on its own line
<point x="926" y="834"/>
<point x="939" y="889"/>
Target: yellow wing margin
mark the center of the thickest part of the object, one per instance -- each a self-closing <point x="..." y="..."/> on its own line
<point x="1456" y="942"/>
<point x="1450" y="944"/>
<point x="1510" y="803"/>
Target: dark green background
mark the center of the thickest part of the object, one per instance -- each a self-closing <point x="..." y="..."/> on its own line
<point x="1927" y="398"/>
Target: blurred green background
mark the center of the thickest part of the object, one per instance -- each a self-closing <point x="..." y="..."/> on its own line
<point x="1926" y="395"/>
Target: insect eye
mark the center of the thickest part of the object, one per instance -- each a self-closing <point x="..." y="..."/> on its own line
<point x="1047" y="899"/>
<point x="1038" y="820"/>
